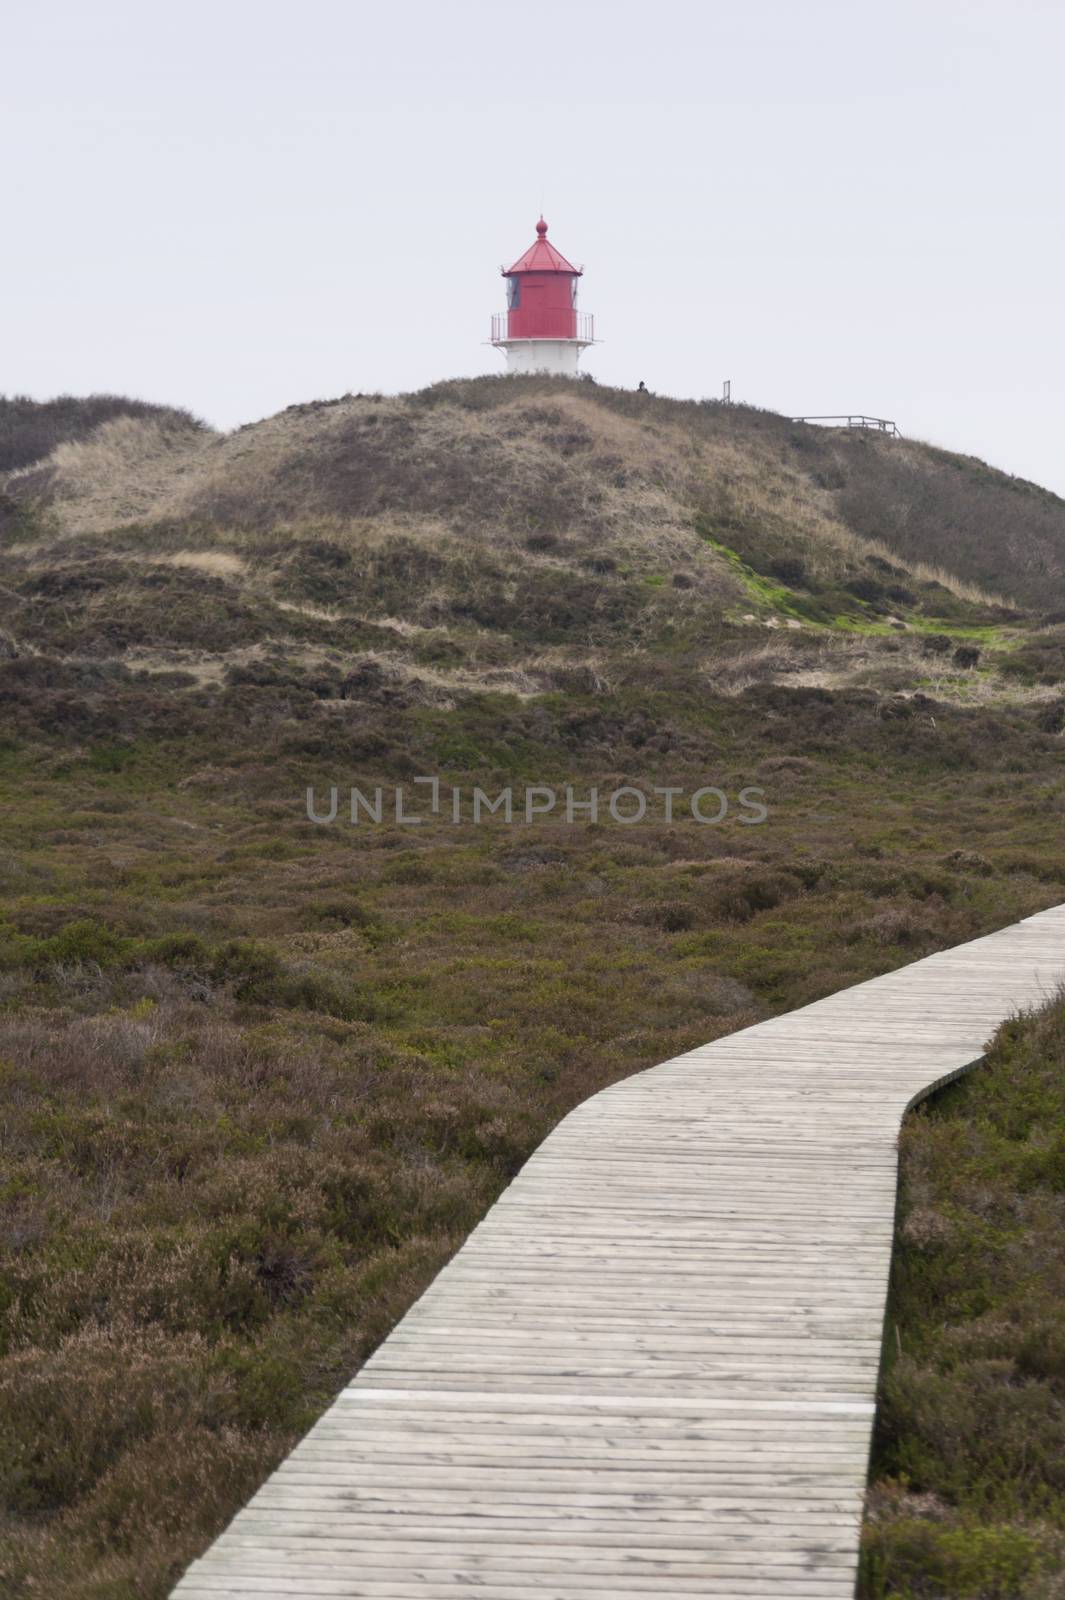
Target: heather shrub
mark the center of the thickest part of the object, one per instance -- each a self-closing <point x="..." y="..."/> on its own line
<point x="969" y="1462"/>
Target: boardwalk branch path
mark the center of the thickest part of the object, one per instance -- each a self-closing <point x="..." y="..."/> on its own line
<point x="651" y="1369"/>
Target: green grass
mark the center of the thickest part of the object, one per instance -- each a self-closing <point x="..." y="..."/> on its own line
<point x="815" y="603"/>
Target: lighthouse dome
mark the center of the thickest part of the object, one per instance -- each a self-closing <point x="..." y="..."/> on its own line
<point x="542" y="256"/>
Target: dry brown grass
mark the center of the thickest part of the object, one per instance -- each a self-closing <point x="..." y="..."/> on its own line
<point x="130" y="469"/>
<point x="561" y="467"/>
<point x="30" y="430"/>
<point x="219" y="563"/>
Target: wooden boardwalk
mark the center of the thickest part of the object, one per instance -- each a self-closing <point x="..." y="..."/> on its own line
<point x="651" y="1369"/>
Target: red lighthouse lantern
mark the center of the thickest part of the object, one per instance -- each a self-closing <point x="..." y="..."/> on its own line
<point x="542" y="330"/>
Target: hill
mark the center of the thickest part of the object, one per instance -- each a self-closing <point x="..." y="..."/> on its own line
<point x="261" y="1074"/>
<point x="508" y="456"/>
<point x="501" y="532"/>
<point x="31" y="429"/>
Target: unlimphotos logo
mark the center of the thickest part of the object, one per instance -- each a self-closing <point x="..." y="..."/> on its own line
<point x="627" y="806"/>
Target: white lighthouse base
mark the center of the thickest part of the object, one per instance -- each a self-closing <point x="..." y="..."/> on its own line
<point x="557" y="356"/>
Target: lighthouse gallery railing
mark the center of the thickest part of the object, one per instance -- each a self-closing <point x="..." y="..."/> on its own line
<point x="584" y="329"/>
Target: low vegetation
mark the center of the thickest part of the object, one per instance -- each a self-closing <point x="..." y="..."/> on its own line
<point x="30" y="430"/>
<point x="261" y="1075"/>
<point x="968" y="1495"/>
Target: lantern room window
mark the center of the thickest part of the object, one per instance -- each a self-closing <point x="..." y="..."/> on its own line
<point x="573" y="286"/>
<point x="513" y="293"/>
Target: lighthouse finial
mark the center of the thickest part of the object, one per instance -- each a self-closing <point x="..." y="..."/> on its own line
<point x="541" y="226"/>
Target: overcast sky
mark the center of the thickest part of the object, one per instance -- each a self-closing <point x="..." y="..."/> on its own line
<point x="839" y="205"/>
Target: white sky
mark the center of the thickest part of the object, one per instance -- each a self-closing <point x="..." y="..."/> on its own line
<point x="838" y="204"/>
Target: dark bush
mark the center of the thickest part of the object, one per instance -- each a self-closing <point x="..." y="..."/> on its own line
<point x="672" y="916"/>
<point x="1051" y="718"/>
<point x="739" y="899"/>
<point x="969" y="861"/>
<point x="865" y="588"/>
<point x="790" y="570"/>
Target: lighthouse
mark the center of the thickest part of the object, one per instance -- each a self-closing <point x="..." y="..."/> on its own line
<point x="541" y="330"/>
